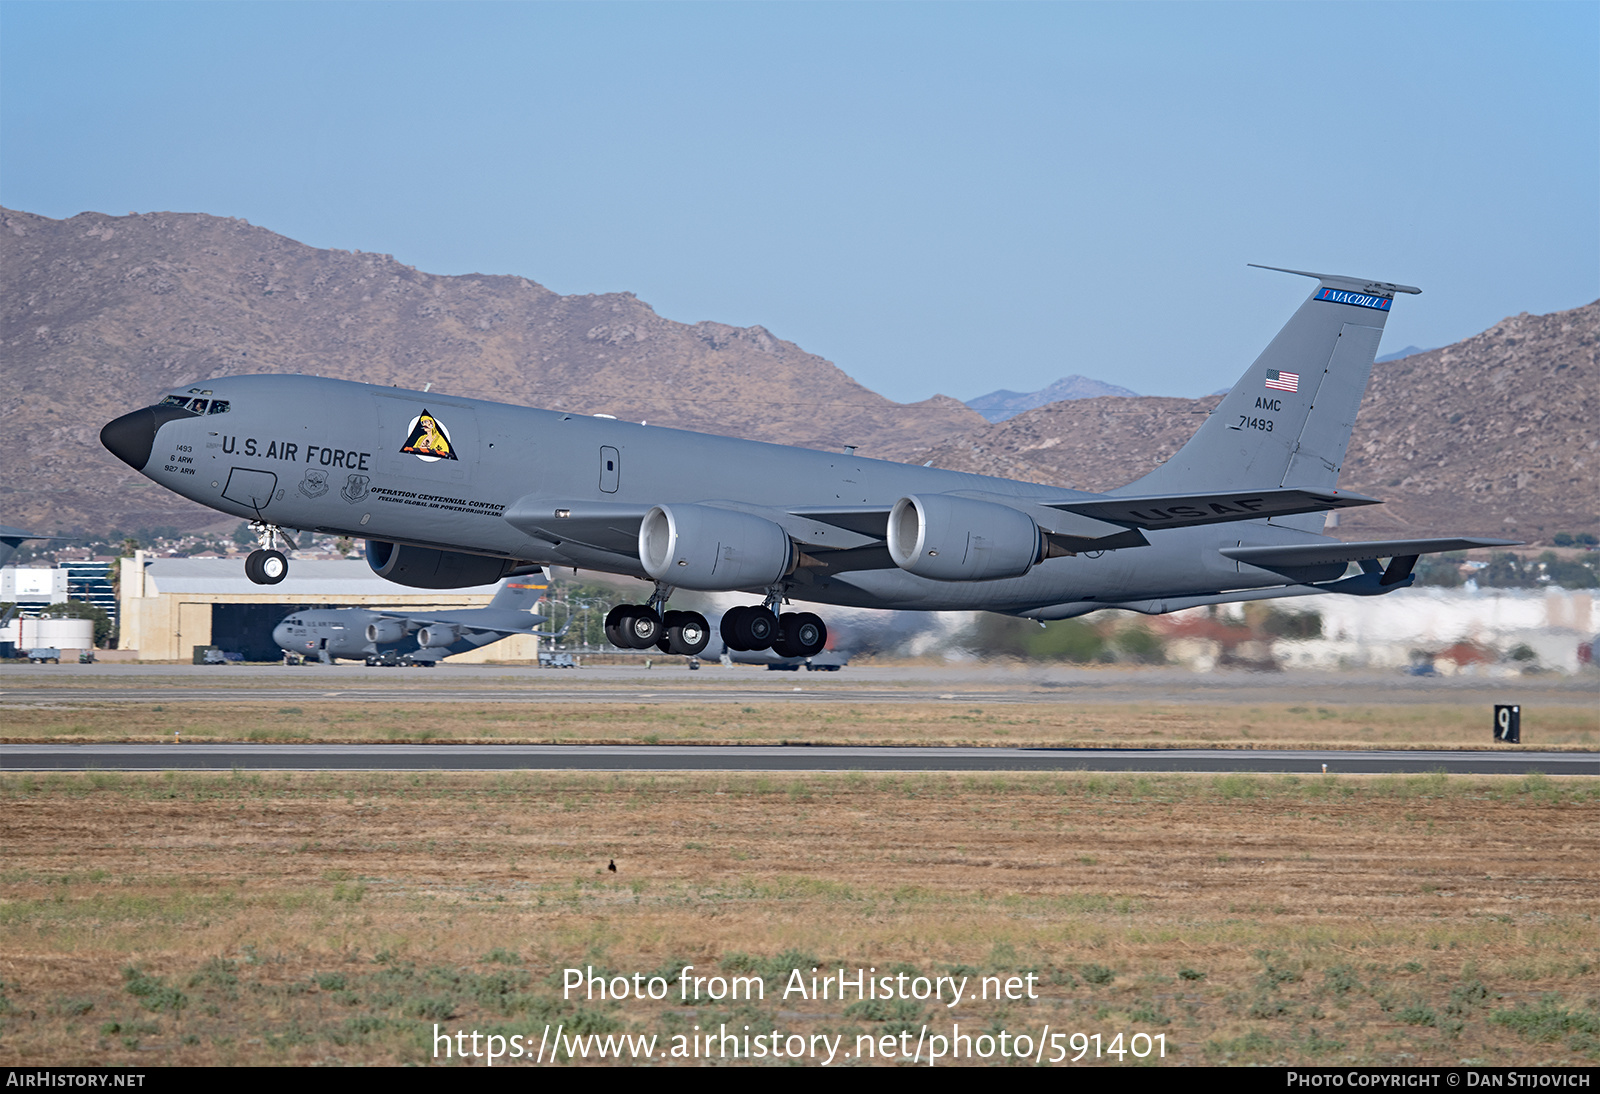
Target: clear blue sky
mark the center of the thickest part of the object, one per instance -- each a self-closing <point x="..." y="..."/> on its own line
<point x="937" y="197"/>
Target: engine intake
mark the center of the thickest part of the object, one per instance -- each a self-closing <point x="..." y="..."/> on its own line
<point x="950" y="538"/>
<point x="713" y="550"/>
<point x="430" y="568"/>
<point x="438" y="635"/>
<point x="386" y="631"/>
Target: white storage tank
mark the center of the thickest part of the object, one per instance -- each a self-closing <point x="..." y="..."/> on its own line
<point x="63" y="634"/>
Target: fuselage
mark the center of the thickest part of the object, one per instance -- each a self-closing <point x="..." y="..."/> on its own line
<point x="439" y="471"/>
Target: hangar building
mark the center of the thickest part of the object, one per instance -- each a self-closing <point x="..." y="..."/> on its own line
<point x="171" y="605"/>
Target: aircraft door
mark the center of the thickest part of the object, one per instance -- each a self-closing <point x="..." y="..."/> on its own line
<point x="610" y="469"/>
<point x="250" y="488"/>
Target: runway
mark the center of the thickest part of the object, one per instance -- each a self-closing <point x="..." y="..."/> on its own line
<point x="181" y="757"/>
<point x="67" y="685"/>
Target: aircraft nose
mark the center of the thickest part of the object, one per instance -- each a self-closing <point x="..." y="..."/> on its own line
<point x="131" y="437"/>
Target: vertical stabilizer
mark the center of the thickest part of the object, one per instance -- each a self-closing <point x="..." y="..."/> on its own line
<point x="520" y="594"/>
<point x="1287" y="421"/>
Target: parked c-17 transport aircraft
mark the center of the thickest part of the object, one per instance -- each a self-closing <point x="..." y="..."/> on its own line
<point x="450" y="492"/>
<point x="378" y="636"/>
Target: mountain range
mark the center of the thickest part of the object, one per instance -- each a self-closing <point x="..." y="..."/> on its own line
<point x="997" y="406"/>
<point x="101" y="314"/>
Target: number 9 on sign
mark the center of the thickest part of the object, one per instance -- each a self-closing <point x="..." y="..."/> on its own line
<point x="1508" y="724"/>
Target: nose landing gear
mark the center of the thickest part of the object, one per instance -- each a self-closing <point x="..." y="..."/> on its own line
<point x="267" y="565"/>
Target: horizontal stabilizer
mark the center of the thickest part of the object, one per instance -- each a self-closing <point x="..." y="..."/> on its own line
<point x="1340" y="281"/>
<point x="1316" y="554"/>
<point x="1186" y="510"/>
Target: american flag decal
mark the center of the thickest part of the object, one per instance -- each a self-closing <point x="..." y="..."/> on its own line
<point x="1283" y="381"/>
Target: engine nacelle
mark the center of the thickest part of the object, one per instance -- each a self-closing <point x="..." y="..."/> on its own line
<point x="430" y="568"/>
<point x="713" y="550"/>
<point x="438" y="635"/>
<point x="384" y="631"/>
<point x="949" y="538"/>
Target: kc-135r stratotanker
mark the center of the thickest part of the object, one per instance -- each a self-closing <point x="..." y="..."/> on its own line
<point x="450" y="492"/>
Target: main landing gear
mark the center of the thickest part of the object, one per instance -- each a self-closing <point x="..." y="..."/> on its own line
<point x="267" y="565"/>
<point x="756" y="627"/>
<point x="640" y="626"/>
<point x="750" y="627"/>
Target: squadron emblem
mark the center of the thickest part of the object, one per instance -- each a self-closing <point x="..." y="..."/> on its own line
<point x="315" y="484"/>
<point x="428" y="440"/>
<point x="355" y="488"/>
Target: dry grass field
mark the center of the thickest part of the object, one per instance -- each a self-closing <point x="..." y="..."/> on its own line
<point x="1144" y="725"/>
<point x="336" y="918"/>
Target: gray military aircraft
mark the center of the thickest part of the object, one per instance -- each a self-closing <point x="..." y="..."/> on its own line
<point x="12" y="538"/>
<point x="381" y="637"/>
<point x="450" y="492"/>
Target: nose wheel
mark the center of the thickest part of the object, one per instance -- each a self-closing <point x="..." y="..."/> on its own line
<point x="267" y="565"/>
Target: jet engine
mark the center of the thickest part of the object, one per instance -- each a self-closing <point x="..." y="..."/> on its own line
<point x="386" y="630"/>
<point x="437" y="635"/>
<point x="429" y="568"/>
<point x="714" y="550"/>
<point x="950" y="538"/>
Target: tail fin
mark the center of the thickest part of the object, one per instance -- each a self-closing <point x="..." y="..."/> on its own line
<point x="520" y="593"/>
<point x="1287" y="421"/>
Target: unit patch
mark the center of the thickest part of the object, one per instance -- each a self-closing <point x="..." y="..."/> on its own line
<point x="355" y="488"/>
<point x="315" y="484"/>
<point x="1359" y="299"/>
<point x="428" y="439"/>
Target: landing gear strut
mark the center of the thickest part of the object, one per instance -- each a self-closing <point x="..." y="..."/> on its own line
<point x="267" y="565"/>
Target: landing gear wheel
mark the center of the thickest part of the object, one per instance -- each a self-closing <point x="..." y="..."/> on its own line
<point x="664" y="643"/>
<point x="614" y="623"/>
<point x="266" y="567"/>
<point x="687" y="633"/>
<point x="805" y="633"/>
<point x="730" y="627"/>
<point x="642" y="627"/>
<point x="755" y="628"/>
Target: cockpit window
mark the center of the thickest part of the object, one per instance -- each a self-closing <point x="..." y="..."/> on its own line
<point x="197" y="405"/>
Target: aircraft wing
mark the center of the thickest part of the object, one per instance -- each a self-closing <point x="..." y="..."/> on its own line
<point x="1187" y="510"/>
<point x="1317" y="554"/>
<point x="1068" y="531"/>
<point x="871" y="521"/>
<point x="496" y="620"/>
<point x="1102" y="521"/>
<point x="604" y="525"/>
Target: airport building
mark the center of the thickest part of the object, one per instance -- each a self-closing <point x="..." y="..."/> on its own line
<point x="33" y="589"/>
<point x="169" y="606"/>
<point x="33" y="586"/>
